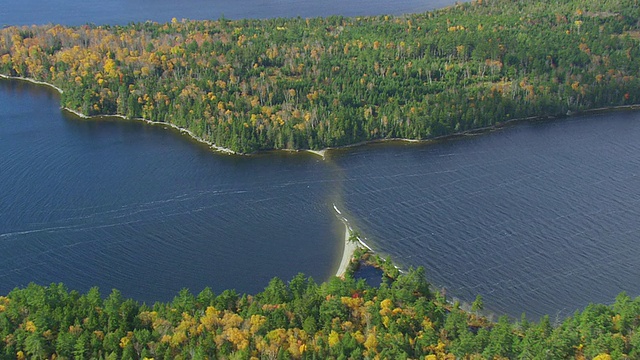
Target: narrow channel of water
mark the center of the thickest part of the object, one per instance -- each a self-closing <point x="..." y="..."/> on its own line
<point x="146" y="210"/>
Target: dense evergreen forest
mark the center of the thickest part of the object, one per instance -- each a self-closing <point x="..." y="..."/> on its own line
<point x="339" y="319"/>
<point x="313" y="83"/>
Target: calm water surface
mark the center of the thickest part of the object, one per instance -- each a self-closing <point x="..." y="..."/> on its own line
<point x="539" y="217"/>
<point x="146" y="210"/>
<point x="78" y="12"/>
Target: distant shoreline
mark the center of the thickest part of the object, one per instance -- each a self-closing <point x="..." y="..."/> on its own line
<point x="33" y="81"/>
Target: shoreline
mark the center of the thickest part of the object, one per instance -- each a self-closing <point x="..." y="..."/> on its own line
<point x="350" y="248"/>
<point x="83" y="116"/>
<point x="151" y="122"/>
<point x="481" y="130"/>
<point x="188" y="132"/>
<point x="320" y="153"/>
<point x="323" y="152"/>
<point x="33" y="81"/>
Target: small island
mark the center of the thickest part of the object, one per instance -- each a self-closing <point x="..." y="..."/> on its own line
<point x="252" y="85"/>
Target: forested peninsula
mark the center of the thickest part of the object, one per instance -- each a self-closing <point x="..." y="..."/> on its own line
<point x="252" y="85"/>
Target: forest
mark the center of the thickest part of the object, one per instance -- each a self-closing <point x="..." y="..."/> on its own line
<point x="250" y="85"/>
<point x="403" y="318"/>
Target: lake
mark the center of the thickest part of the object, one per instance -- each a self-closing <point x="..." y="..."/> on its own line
<point x="149" y="211"/>
<point x="121" y="12"/>
<point x="538" y="217"/>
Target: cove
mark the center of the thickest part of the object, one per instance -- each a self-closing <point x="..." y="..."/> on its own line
<point x="120" y="204"/>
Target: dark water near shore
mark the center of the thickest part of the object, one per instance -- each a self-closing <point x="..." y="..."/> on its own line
<point x="148" y="211"/>
<point x="539" y="217"/>
<point x="120" y="12"/>
<point x="370" y="274"/>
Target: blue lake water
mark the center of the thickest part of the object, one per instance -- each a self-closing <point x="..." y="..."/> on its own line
<point x="538" y="217"/>
<point x="79" y="12"/>
<point x="149" y="211"/>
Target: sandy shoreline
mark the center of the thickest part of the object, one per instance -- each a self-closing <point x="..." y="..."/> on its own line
<point x="347" y="254"/>
<point x="350" y="247"/>
<point x="320" y="153"/>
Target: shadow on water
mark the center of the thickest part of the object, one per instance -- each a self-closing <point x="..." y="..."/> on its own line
<point x="370" y="274"/>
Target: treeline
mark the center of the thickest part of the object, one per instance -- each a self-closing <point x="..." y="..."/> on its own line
<point x="313" y="83"/>
<point x="339" y="319"/>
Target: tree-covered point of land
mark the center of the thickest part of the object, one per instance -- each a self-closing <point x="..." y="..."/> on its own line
<point x="313" y="83"/>
<point x="339" y="319"/>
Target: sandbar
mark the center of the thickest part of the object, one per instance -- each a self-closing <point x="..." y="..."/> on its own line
<point x="347" y="254"/>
